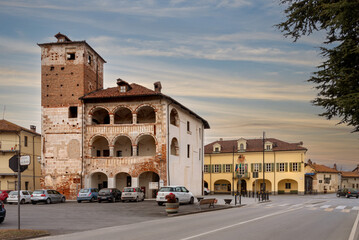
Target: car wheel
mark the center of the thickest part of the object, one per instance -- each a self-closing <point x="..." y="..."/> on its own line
<point x="92" y="199"/>
<point x="1" y="220"/>
<point x="48" y="201"/>
<point x="347" y="196"/>
<point x="160" y="203"/>
<point x="33" y="202"/>
<point x="177" y="200"/>
<point x="99" y="200"/>
<point x="79" y="201"/>
<point x="357" y="196"/>
<point x="63" y="199"/>
<point x="143" y="199"/>
<point x="137" y="199"/>
<point x="22" y="201"/>
<point x="191" y="201"/>
<point x="113" y="200"/>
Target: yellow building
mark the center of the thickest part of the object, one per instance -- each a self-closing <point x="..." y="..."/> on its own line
<point x="245" y="162"/>
<point x="10" y="135"/>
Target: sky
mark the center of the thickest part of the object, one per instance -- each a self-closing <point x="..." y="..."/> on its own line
<point x="223" y="59"/>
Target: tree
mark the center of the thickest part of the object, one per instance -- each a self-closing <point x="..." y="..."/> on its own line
<point x="337" y="78"/>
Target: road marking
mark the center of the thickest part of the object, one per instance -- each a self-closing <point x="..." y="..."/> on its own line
<point x="346" y="210"/>
<point x="355" y="208"/>
<point x="329" y="209"/>
<point x="297" y="205"/>
<point x="352" y="233"/>
<point x="283" y="205"/>
<point x="325" y="206"/>
<point x="314" y="208"/>
<point x="340" y="207"/>
<point x="240" y="223"/>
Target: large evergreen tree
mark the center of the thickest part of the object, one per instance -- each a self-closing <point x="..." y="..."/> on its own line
<point x="337" y="78"/>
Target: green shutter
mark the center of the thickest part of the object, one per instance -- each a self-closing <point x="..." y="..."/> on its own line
<point x="252" y="168"/>
<point x="272" y="167"/>
<point x="291" y="167"/>
<point x="260" y="167"/>
<point x="299" y="166"/>
<point x="220" y="168"/>
<point x="286" y="167"/>
<point x="277" y="167"/>
<point x="224" y="167"/>
<point x="231" y="168"/>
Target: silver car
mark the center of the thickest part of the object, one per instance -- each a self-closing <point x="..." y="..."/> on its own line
<point x="25" y="197"/>
<point x="47" y="195"/>
<point x="132" y="194"/>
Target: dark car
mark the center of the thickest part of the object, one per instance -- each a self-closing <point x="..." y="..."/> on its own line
<point x="348" y="192"/>
<point x="109" y="194"/>
<point x="2" y="212"/>
<point x="4" y="194"/>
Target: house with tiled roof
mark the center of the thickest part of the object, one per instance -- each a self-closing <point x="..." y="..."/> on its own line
<point x="349" y="179"/>
<point x="126" y="135"/>
<point x="17" y="140"/>
<point x="252" y="165"/>
<point x="321" y="179"/>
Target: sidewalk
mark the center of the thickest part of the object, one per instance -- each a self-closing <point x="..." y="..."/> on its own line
<point x="221" y="197"/>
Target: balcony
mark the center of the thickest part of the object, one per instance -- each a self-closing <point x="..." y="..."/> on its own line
<point x="121" y="128"/>
<point x="243" y="176"/>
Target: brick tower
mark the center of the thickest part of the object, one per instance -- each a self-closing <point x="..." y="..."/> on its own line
<point x="69" y="70"/>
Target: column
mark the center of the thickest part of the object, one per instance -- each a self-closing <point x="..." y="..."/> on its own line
<point x="111" y="182"/>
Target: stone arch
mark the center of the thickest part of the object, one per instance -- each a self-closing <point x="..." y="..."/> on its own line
<point x="222" y="186"/>
<point x="100" y="146"/>
<point x="174" y="147"/>
<point x="258" y="184"/>
<point x="100" y="115"/>
<point x="146" y="180"/>
<point x="174" y="117"/>
<point x="146" y="145"/>
<point x="146" y="114"/>
<point x="288" y="186"/>
<point x="122" y="146"/>
<point x="123" y="115"/>
<point x="123" y="180"/>
<point x="98" y="180"/>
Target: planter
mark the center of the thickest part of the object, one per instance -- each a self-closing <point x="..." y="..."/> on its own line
<point x="172" y="207"/>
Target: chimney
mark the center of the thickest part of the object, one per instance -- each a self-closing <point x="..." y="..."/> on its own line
<point x="335" y="166"/>
<point x="309" y="161"/>
<point x="158" y="87"/>
<point x="33" y="128"/>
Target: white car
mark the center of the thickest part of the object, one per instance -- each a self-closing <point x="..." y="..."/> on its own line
<point x="182" y="194"/>
<point x="25" y="197"/>
<point x="132" y="194"/>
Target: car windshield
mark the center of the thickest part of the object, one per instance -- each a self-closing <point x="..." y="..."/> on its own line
<point x="38" y="192"/>
<point x="105" y="191"/>
<point x="85" y="190"/>
<point x="14" y="193"/>
<point x="167" y="189"/>
<point x="129" y="190"/>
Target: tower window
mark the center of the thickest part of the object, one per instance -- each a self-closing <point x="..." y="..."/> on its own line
<point x="89" y="59"/>
<point x="52" y="68"/>
<point x="73" y="112"/>
<point x="70" y="56"/>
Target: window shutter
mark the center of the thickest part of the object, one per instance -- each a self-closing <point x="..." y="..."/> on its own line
<point x="211" y="168"/>
<point x="277" y="167"/>
<point x="231" y="167"/>
<point x="291" y="167"/>
<point x="299" y="166"/>
<point x="286" y="167"/>
<point x="219" y="169"/>
<point x="260" y="167"/>
<point x="252" y="167"/>
<point x="224" y="167"/>
<point x="272" y="167"/>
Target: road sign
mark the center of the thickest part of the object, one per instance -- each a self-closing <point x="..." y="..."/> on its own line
<point x="13" y="164"/>
<point x="25" y="160"/>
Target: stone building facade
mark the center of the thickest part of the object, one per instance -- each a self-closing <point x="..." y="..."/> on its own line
<point x="127" y="135"/>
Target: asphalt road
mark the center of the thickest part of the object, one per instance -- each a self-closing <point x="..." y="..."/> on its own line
<point x="285" y="218"/>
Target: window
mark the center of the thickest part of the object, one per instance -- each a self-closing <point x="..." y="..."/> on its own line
<point x="320" y="181"/>
<point x="281" y="167"/>
<point x="106" y="153"/>
<point x="98" y="153"/>
<point x="206" y="169"/>
<point x="73" y="112"/>
<point x="188" y="150"/>
<point x="25" y="141"/>
<point x="119" y="153"/>
<point x="241" y="147"/>
<point x="269" y="167"/>
<point x="268" y="147"/>
<point x="217" y="168"/>
<point x="227" y="168"/>
<point x="89" y="59"/>
<point x="70" y="56"/>
<point x="295" y="167"/>
<point x="255" y="167"/>
<point x="188" y="127"/>
<point x="216" y="149"/>
<point x="123" y="89"/>
<point x="288" y="185"/>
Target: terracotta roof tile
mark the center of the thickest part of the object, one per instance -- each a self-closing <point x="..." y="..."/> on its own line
<point x="6" y="126"/>
<point x="350" y="174"/>
<point x="254" y="145"/>
<point x="323" y="169"/>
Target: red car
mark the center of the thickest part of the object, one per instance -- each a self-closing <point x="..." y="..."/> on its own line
<point x="4" y="194"/>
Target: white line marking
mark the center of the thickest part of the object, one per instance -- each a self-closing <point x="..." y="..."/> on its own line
<point x="325" y="206"/>
<point x="355" y="208"/>
<point x="352" y="233"/>
<point x="283" y="205"/>
<point x="340" y="207"/>
<point x="240" y="223"/>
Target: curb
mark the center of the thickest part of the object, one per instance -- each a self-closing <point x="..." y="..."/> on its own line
<point x="204" y="210"/>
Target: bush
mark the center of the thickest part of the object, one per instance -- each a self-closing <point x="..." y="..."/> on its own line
<point x="293" y="191"/>
<point x="281" y="192"/>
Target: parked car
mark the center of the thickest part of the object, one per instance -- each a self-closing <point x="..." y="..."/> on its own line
<point x="2" y="212"/>
<point x="182" y="194"/>
<point x="25" y="197"/>
<point x="348" y="192"/>
<point x="206" y="191"/>
<point x="109" y="194"/>
<point x="47" y="195"/>
<point x="4" y="195"/>
<point x="132" y="194"/>
<point x="87" y="194"/>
